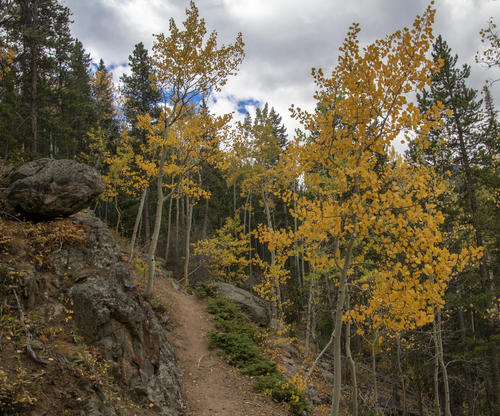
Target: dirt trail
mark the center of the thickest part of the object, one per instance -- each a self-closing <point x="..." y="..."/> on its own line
<point x="210" y="386"/>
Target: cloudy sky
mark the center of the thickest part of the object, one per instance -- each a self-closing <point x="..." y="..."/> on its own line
<point x="283" y="39"/>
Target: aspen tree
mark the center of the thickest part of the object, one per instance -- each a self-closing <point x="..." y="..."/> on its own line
<point x="365" y="204"/>
<point x="188" y="66"/>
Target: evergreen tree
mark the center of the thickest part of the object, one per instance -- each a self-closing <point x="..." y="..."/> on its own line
<point x="104" y="100"/>
<point x="77" y="109"/>
<point x="139" y="92"/>
<point x="467" y="147"/>
<point x="38" y="32"/>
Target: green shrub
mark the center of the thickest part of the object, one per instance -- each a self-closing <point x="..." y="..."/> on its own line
<point x="204" y="290"/>
<point x="280" y="390"/>
<point x="238" y="341"/>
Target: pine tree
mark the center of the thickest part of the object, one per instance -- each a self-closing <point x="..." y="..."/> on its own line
<point x="138" y="90"/>
<point x="104" y="101"/>
<point x="38" y="32"/>
<point x="77" y="108"/>
<point x="466" y="146"/>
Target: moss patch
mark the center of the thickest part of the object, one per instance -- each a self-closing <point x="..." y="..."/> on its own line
<point x="237" y="338"/>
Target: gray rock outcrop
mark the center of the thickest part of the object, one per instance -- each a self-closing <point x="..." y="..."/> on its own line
<point x="250" y="304"/>
<point x="110" y="314"/>
<point x="49" y="188"/>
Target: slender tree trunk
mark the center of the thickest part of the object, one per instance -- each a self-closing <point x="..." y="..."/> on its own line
<point x="352" y="364"/>
<point x="250" y="235"/>
<point x="189" y="217"/>
<point x="318" y="357"/>
<point x="418" y="377"/>
<point x="296" y="246"/>
<point x="401" y="375"/>
<point x="119" y="215"/>
<point x="169" y="229"/>
<point x="34" y="80"/>
<point x="177" y="227"/>
<point x="277" y="307"/>
<point x="309" y="318"/>
<point x="136" y="225"/>
<point x="205" y="220"/>
<point x="339" y="313"/>
<point x="157" y="225"/>
<point x="437" y="403"/>
<point x="147" y="221"/>
<point x="245" y="213"/>
<point x="183" y="218"/>
<point x="438" y="338"/>
<point x="468" y="378"/>
<point x="374" y="370"/>
<point x="234" y="198"/>
<point x="444" y="370"/>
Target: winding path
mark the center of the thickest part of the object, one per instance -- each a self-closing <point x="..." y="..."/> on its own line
<point x="210" y="386"/>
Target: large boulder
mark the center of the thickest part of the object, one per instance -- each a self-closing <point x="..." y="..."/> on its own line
<point x="125" y="329"/>
<point x="250" y="304"/>
<point x="49" y="188"/>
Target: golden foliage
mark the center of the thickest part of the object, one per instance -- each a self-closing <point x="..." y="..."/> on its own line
<point x="228" y="252"/>
<point x="369" y="219"/>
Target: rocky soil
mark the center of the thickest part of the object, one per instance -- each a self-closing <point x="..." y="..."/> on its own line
<point x="79" y="339"/>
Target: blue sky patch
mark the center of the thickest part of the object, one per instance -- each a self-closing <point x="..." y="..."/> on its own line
<point x="241" y="106"/>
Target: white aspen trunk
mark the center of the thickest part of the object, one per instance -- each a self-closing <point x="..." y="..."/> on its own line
<point x="374" y="370"/>
<point x="339" y="313"/>
<point x="177" y="227"/>
<point x="189" y="218"/>
<point x="316" y="361"/>
<point x="250" y="234"/>
<point x="309" y="318"/>
<point x="437" y="403"/>
<point x="444" y="371"/>
<point x="352" y="363"/>
<point x="234" y="197"/>
<point x="401" y="376"/>
<point x="277" y="310"/>
<point x="118" y="213"/>
<point x="157" y="225"/>
<point x="136" y="225"/>
<point x="205" y="220"/>
<point x="296" y="246"/>
<point x="169" y="224"/>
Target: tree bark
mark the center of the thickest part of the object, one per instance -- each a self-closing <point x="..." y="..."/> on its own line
<point x="401" y="375"/>
<point x="277" y="307"/>
<point x="169" y="228"/>
<point x="205" y="220"/>
<point x="189" y="217"/>
<point x="374" y="370"/>
<point x="177" y="227"/>
<point x="147" y="221"/>
<point x="157" y="225"/>
<point x="438" y="339"/>
<point x="34" y="79"/>
<point x="309" y="318"/>
<point x="119" y="215"/>
<point x="437" y="403"/>
<point x="352" y="364"/>
<point x="337" y="349"/>
<point x="136" y="225"/>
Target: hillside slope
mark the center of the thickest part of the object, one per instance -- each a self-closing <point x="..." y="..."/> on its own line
<point x="76" y="337"/>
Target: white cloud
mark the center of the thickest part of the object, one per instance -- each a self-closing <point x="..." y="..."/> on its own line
<point x="284" y="38"/>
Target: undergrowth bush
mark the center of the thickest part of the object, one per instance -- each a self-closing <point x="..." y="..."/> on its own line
<point x="204" y="290"/>
<point x="238" y="340"/>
